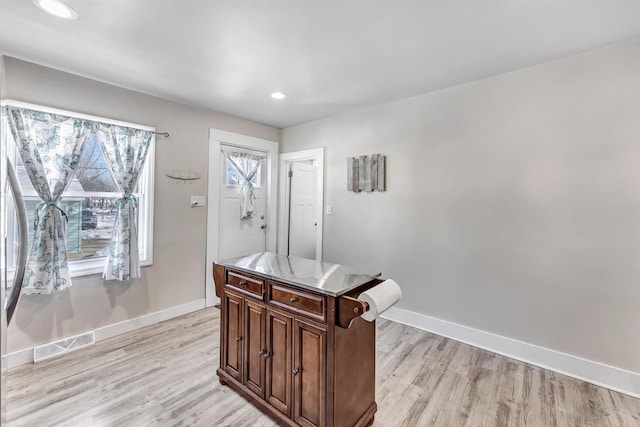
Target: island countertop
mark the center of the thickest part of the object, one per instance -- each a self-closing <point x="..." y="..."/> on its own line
<point x="322" y="277"/>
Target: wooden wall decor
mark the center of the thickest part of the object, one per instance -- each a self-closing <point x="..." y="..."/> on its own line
<point x="366" y="173"/>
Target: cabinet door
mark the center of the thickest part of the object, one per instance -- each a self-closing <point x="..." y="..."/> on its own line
<point x="254" y="333"/>
<point x="233" y="335"/>
<point x="278" y="384"/>
<point x="309" y="370"/>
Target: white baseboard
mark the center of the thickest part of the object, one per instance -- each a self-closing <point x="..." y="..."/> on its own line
<point x="19" y="358"/>
<point x="613" y="378"/>
<point x="148" y="319"/>
<point x="25" y="356"/>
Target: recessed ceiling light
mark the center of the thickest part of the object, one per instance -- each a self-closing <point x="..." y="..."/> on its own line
<point x="56" y="8"/>
<point x="278" y="95"/>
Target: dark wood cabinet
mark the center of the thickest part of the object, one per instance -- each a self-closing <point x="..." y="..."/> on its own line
<point x="309" y="347"/>
<point x="279" y="362"/>
<point x="232" y="335"/>
<point x="254" y="332"/>
<point x="305" y="358"/>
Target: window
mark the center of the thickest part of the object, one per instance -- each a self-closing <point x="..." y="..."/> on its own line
<point x="89" y="202"/>
<point x="233" y="179"/>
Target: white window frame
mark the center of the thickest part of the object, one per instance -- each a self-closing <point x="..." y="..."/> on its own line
<point x="145" y="194"/>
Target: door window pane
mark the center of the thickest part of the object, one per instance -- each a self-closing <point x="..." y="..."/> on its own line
<point x="233" y="179"/>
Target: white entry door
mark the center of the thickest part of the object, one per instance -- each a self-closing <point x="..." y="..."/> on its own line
<point x="302" y="214"/>
<point x="238" y="237"/>
<point x="227" y="236"/>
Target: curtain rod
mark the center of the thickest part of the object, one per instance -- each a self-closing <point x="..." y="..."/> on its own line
<point x="45" y="109"/>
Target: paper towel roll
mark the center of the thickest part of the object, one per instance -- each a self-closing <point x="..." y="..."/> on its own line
<point x="380" y="298"/>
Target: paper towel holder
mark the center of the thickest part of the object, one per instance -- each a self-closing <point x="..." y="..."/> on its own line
<point x="349" y="308"/>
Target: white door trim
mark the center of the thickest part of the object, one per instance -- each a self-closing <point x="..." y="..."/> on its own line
<point x="216" y="138"/>
<point x="316" y="154"/>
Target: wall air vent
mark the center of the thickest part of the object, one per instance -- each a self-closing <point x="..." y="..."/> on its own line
<point x="58" y="348"/>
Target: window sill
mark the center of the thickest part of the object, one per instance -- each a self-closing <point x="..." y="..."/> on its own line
<point x="85" y="267"/>
<point x="80" y="268"/>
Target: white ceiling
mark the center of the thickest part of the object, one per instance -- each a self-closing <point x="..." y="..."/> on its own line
<point x="329" y="56"/>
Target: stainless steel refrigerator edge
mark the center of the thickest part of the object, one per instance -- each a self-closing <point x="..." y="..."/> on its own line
<point x="10" y="275"/>
<point x="3" y="255"/>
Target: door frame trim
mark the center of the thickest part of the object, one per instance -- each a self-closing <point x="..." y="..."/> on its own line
<point x="217" y="138"/>
<point x="316" y="154"/>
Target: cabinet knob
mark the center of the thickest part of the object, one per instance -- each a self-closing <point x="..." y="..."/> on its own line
<point x="293" y="299"/>
<point x="242" y="283"/>
<point x="296" y="371"/>
<point x="266" y="355"/>
<point x="238" y="339"/>
<point x="261" y="352"/>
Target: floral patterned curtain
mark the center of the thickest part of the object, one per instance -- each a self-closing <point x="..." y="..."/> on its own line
<point x="126" y="150"/>
<point x="50" y="146"/>
<point x="247" y="166"/>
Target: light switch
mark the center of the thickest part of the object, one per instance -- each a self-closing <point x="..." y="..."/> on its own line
<point x="197" y="201"/>
<point x="328" y="209"/>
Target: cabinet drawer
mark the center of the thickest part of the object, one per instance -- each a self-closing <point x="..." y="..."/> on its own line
<point x="246" y="284"/>
<point x="296" y="300"/>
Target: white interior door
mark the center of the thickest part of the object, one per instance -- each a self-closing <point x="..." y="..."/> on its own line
<point x="238" y="237"/>
<point x="302" y="214"/>
<point x="311" y="157"/>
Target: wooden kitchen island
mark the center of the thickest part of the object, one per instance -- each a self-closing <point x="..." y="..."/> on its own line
<point x="292" y="340"/>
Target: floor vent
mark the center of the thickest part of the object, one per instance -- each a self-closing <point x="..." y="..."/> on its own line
<point x="58" y="348"/>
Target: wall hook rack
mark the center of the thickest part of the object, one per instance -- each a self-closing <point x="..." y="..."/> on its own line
<point x="183" y="175"/>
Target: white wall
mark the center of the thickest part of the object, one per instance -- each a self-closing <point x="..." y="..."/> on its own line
<point x="513" y="202"/>
<point x="177" y="275"/>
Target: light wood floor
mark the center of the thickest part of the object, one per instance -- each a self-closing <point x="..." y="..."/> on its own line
<point x="165" y="375"/>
